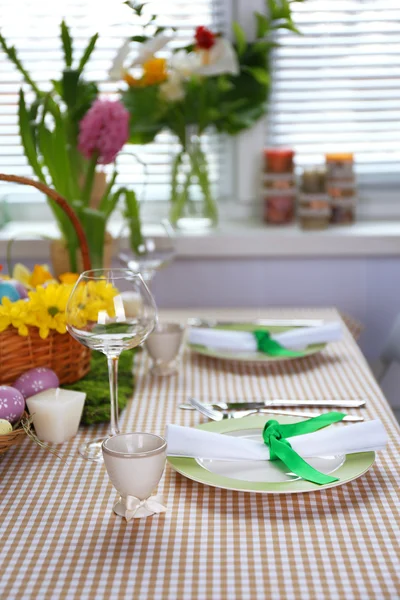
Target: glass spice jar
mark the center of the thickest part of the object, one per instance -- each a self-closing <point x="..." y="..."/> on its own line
<point x="279" y="206"/>
<point x="339" y="165"/>
<point x="279" y="181"/>
<point x="314" y="203"/>
<point x="343" y="212"/>
<point x="314" y="211"/>
<point x="278" y="160"/>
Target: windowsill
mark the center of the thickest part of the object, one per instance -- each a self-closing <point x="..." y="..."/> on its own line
<point x="236" y="239"/>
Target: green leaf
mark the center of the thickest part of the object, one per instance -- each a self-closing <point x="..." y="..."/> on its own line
<point x="27" y="139"/>
<point x="273" y="9"/>
<point x="259" y="74"/>
<point x="224" y="84"/>
<point x="263" y="24"/>
<point x="105" y="198"/>
<point x="57" y="86"/>
<point x="69" y="87"/>
<point x="286" y="12"/>
<point x="138" y="8"/>
<point x="240" y="37"/>
<point x="132" y="214"/>
<point x="139" y="38"/>
<point x="263" y="47"/>
<point x="66" y="44"/>
<point x="159" y="30"/>
<point x="288" y="25"/>
<point x="87" y="53"/>
<point x="12" y="55"/>
<point x="112" y="202"/>
<point x="94" y="224"/>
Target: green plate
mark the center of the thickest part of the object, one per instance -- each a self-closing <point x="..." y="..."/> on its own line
<point x="270" y="477"/>
<point x="253" y="356"/>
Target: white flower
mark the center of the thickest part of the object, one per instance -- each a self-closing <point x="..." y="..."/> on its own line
<point x="172" y="90"/>
<point x="221" y="58"/>
<point x="117" y="69"/>
<point x="184" y="63"/>
<point x="150" y="47"/>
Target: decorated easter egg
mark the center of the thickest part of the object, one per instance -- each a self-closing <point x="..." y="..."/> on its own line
<point x="19" y="287"/>
<point x="8" y="291"/>
<point x="12" y="403"/>
<point x="5" y="427"/>
<point x="36" y="380"/>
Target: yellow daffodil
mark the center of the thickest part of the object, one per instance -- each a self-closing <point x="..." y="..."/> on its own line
<point x="155" y="71"/>
<point x="30" y="279"/>
<point x="47" y="305"/>
<point x="14" y="314"/>
<point x="40" y="275"/>
<point x="131" y="81"/>
<point x="69" y="278"/>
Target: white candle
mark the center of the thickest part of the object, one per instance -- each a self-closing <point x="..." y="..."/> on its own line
<point x="56" y="414"/>
<point x="132" y="303"/>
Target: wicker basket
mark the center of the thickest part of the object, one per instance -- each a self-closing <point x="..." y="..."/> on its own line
<point x="60" y="352"/>
<point x="12" y="439"/>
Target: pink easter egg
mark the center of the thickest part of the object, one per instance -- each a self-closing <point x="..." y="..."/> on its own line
<point x="12" y="404"/>
<point x="36" y="380"/>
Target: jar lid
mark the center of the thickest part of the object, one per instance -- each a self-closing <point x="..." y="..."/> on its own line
<point x="270" y="152"/>
<point x="340" y="157"/>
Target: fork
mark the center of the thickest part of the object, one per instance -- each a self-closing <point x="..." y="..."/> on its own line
<point x="219" y="415"/>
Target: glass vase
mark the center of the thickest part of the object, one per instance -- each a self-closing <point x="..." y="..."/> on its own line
<point x="192" y="203"/>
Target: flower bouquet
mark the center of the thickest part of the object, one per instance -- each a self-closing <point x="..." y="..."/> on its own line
<point x="68" y="134"/>
<point x="210" y="84"/>
<point x="33" y="328"/>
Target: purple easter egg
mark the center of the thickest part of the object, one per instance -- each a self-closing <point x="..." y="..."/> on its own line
<point x="12" y="404"/>
<point x="36" y="380"/>
<point x="19" y="287"/>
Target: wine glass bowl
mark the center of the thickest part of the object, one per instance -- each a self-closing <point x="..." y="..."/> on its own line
<point x="156" y="252"/>
<point x="110" y="310"/>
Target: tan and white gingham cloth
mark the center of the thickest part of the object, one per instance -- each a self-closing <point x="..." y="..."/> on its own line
<point x="60" y="538"/>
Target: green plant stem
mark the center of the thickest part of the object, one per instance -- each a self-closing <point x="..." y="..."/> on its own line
<point x="90" y="173"/>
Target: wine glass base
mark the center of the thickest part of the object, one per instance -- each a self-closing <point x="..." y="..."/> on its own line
<point x="92" y="450"/>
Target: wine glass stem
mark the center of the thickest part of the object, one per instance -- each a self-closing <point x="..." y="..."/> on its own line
<point x="113" y="377"/>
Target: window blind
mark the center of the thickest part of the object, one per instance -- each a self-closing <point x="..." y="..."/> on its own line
<point x="33" y="27"/>
<point x="337" y="87"/>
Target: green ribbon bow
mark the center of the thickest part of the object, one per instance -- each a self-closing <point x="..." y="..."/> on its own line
<point x="268" y="346"/>
<point x="275" y="434"/>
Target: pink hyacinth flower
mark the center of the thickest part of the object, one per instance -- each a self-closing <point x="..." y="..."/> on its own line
<point x="104" y="130"/>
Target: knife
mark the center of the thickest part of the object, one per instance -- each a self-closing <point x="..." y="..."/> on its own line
<point x="326" y="403"/>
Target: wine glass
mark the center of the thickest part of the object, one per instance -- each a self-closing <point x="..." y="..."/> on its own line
<point x="156" y="252"/>
<point x="110" y="310"/>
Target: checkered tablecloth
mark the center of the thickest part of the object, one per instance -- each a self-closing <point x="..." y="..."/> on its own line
<point x="60" y="538"/>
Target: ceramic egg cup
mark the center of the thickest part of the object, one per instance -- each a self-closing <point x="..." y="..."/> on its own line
<point x="164" y="345"/>
<point x="135" y="463"/>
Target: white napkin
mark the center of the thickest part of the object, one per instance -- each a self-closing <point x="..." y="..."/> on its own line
<point x="333" y="440"/>
<point x="244" y="341"/>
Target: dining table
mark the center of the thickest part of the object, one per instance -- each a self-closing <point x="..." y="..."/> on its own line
<point x="61" y="540"/>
